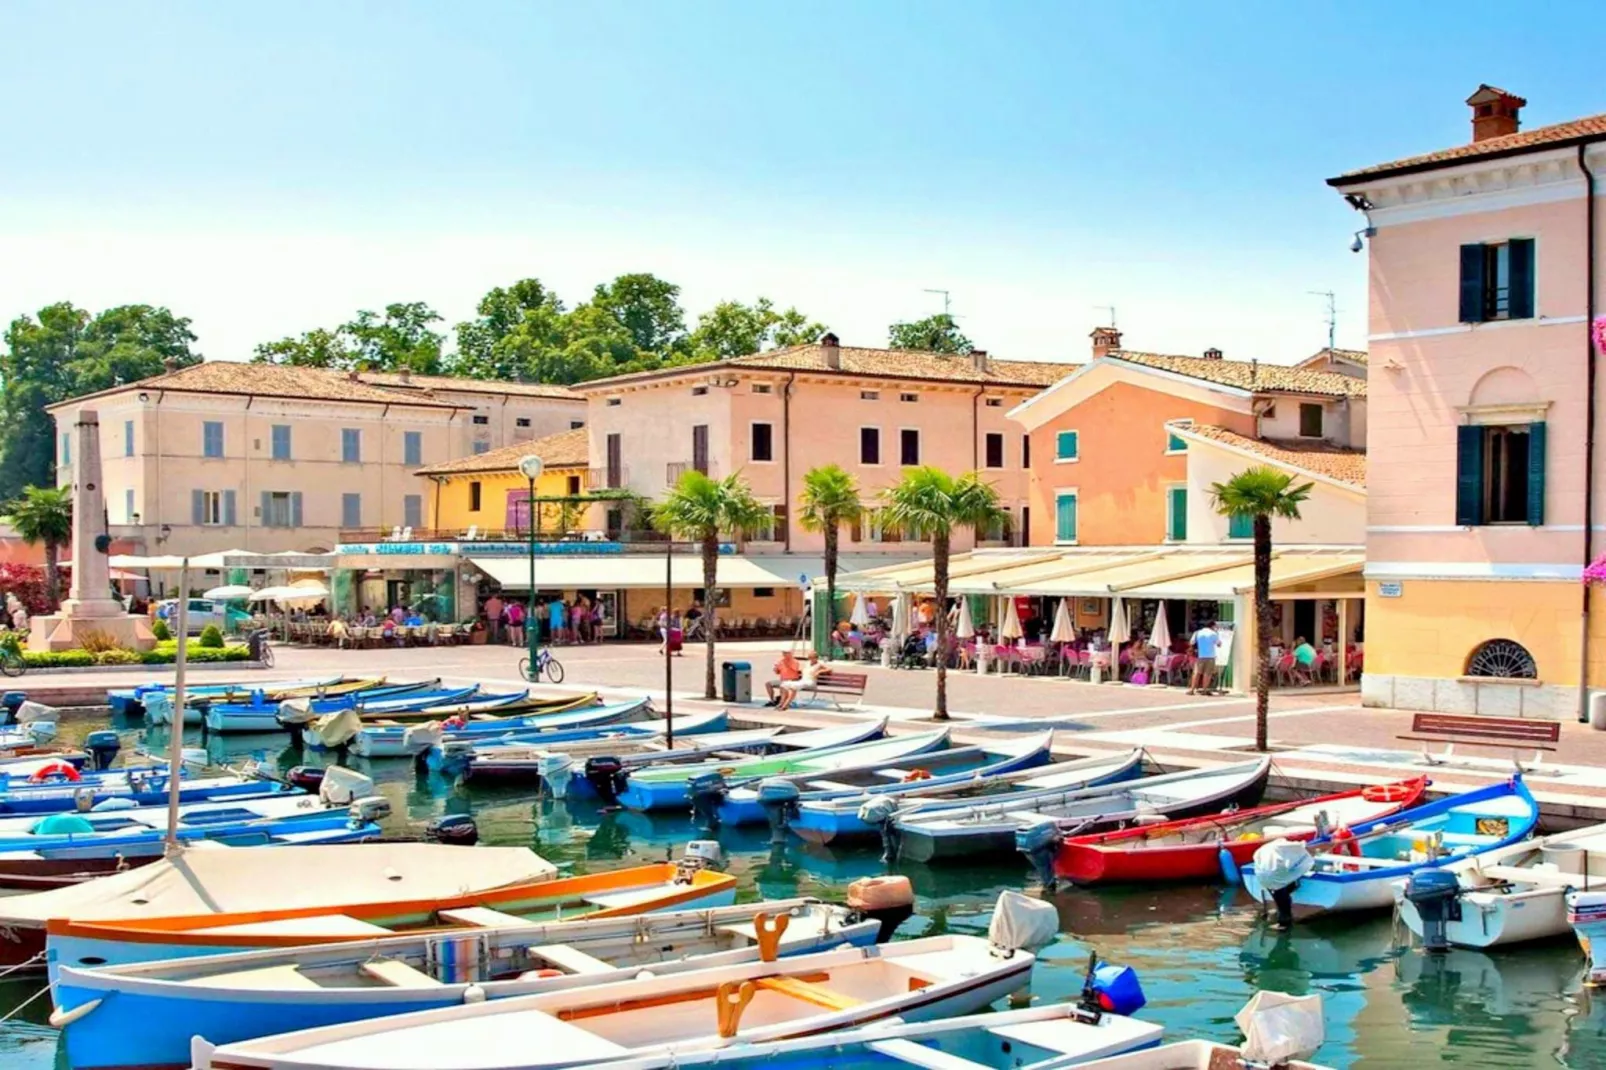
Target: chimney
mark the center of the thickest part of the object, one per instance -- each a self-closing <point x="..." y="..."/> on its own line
<point x="978" y="360"/>
<point x="831" y="350"/>
<point x="1212" y="353"/>
<point x="170" y="364"/>
<point x="405" y="376"/>
<point x="1495" y="113"/>
<point x="1105" y="341"/>
<point x="351" y="373"/>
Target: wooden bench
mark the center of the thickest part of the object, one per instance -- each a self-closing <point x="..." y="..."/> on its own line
<point x="1515" y="733"/>
<point x="836" y="685"/>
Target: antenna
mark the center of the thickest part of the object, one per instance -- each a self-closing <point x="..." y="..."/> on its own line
<point x="1332" y="313"/>
<point x="945" y="300"/>
<point x="1110" y="309"/>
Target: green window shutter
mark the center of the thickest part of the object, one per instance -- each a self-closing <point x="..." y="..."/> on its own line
<point x="1536" y="473"/>
<point x="1066" y="445"/>
<point x="1175" y="443"/>
<point x="1065" y="519"/>
<point x="1521" y="254"/>
<point x="1179" y="514"/>
<point x="1240" y="526"/>
<point x="1472" y="288"/>
<point x="1468" y="475"/>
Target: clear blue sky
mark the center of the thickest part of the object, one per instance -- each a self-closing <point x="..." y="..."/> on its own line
<point x="266" y="168"/>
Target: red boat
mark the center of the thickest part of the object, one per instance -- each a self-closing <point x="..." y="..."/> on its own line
<point x="1190" y="849"/>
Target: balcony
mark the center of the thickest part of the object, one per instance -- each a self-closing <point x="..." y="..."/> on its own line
<point x="603" y="479"/>
<point x="675" y="469"/>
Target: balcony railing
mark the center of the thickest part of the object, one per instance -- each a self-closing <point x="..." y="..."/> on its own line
<point x="675" y="469"/>
<point x="603" y="479"/>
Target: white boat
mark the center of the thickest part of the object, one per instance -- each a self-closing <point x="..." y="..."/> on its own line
<point x="920" y="980"/>
<point x="1509" y="896"/>
<point x="1188" y="1055"/>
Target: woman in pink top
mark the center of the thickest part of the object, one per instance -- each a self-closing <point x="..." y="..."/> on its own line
<point x="515" y="623"/>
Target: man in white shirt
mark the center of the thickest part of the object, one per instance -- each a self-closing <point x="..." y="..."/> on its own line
<point x="1205" y="641"/>
<point x="811" y="676"/>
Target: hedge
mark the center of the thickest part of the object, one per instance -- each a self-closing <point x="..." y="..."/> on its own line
<point x="74" y="659"/>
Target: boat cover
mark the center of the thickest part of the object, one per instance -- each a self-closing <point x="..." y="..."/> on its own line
<point x="1021" y="922"/>
<point x="1279" y="1027"/>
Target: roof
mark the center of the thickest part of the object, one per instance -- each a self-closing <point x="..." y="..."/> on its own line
<point x="566" y="449"/>
<point x="1247" y="375"/>
<point x="1556" y="135"/>
<point x="267" y="380"/>
<point x="910" y="364"/>
<point x="1348" y="356"/>
<point x="395" y="380"/>
<point x="1318" y="457"/>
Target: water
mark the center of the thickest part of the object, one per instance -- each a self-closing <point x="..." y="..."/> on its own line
<point x="1201" y="952"/>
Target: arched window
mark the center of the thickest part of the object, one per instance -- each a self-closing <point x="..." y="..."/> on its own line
<point x="1502" y="659"/>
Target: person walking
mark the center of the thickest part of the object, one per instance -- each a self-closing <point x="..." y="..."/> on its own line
<point x="515" y="623"/>
<point x="493" y="616"/>
<point x="557" y="619"/>
<point x="1205" y="641"/>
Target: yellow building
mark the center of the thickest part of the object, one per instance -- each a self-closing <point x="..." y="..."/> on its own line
<point x="485" y="495"/>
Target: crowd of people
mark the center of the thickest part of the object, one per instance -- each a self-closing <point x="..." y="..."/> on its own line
<point x="559" y="622"/>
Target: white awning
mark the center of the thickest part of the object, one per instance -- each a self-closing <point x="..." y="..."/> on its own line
<point x="644" y="571"/>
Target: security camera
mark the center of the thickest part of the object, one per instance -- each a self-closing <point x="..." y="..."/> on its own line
<point x="1357" y="245"/>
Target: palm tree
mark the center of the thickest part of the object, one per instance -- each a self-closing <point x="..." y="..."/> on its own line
<point x="930" y="504"/>
<point x="1261" y="494"/>
<point x="698" y="509"/>
<point x="830" y="499"/>
<point x="44" y="515"/>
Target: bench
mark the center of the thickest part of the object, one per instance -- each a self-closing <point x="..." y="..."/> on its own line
<point x="836" y="685"/>
<point x="1515" y="733"/>
<point x="482" y="918"/>
<point x="397" y="974"/>
<point x="571" y="959"/>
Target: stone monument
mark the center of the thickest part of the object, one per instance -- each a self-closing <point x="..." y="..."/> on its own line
<point x="90" y="606"/>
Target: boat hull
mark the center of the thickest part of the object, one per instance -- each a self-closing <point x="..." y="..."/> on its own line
<point x="1493" y="920"/>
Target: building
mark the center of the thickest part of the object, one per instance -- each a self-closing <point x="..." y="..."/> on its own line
<point x="484" y="494"/>
<point x="1483" y="477"/>
<point x="267" y="458"/>
<point x="499" y="413"/>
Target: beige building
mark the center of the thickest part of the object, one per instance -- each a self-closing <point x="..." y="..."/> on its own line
<point x="267" y="458"/>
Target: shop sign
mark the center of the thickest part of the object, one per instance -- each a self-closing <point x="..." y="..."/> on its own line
<point x="1390" y="589"/>
<point x="509" y="549"/>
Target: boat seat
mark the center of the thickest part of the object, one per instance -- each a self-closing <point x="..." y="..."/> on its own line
<point x="266" y="977"/>
<point x="482" y="917"/>
<point x="627" y="897"/>
<point x="832" y="785"/>
<point x="397" y="974"/>
<point x="909" y="1053"/>
<point x="809" y="992"/>
<point x="572" y="959"/>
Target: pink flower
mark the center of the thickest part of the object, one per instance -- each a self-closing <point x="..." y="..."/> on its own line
<point x="1598" y="331"/>
<point x="1595" y="574"/>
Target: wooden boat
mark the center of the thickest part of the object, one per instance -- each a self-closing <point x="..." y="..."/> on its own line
<point x="659" y="787"/>
<point x="563" y="767"/>
<point x="1188" y="1055"/>
<point x="399" y="740"/>
<point x="637" y="890"/>
<point x="107" y="829"/>
<point x="259" y="712"/>
<point x="455" y="756"/>
<point x="145" y="1014"/>
<point x="130" y="701"/>
<point x="753" y="1003"/>
<point x="147" y="789"/>
<point x="1507" y="896"/>
<point x="195" y="698"/>
<point x="1190" y="849"/>
<point x="986" y="827"/>
<point x="744" y="804"/>
<point x="1356" y="868"/>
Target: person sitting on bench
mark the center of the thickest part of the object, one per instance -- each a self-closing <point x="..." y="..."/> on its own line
<point x="786" y="670"/>
<point x="810" y="676"/>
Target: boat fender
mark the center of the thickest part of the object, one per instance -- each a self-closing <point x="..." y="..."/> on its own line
<point x="1345" y="843"/>
<point x="645" y="975"/>
<point x="62" y="1019"/>
<point x="707" y="791"/>
<point x="121" y="802"/>
<point x="1229" y="867"/>
<point x="1040" y="843"/>
<point x="457" y="829"/>
<point x="473" y="994"/>
<point x="54" y="773"/>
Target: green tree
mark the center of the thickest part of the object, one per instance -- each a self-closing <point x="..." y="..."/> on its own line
<point x="399" y="339"/>
<point x="316" y="348"/>
<point x="928" y="503"/>
<point x="519" y="332"/>
<point x="732" y="329"/>
<point x="938" y="334"/>
<point x="1261" y="494"/>
<point x="44" y="515"/>
<point x="648" y="308"/>
<point x="698" y="509"/>
<point x="830" y="499"/>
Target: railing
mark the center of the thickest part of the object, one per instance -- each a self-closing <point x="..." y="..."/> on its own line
<point x="675" y="469"/>
<point x="599" y="478"/>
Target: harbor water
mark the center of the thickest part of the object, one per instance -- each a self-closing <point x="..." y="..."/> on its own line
<point x="1201" y="951"/>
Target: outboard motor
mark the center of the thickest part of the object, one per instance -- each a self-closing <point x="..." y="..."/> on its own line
<point x="1111" y="989"/>
<point x="707" y="791"/>
<point x="1040" y="843"/>
<point x="555" y="770"/>
<point x="309" y="778"/>
<point x="418" y="740"/>
<point x="369" y="809"/>
<point x="294" y="715"/>
<point x="452" y="757"/>
<point x="606" y="775"/>
<point x="888" y="900"/>
<point x="877" y="812"/>
<point x="779" y="799"/>
<point x="102" y="746"/>
<point x="11" y="702"/>
<point x="458" y="829"/>
<point x="1436" y="894"/>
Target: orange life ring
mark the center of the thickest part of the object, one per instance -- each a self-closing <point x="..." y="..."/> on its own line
<point x="54" y="771"/>
<point x="1386" y="793"/>
<point x="1345" y="843"/>
<point x="917" y="774"/>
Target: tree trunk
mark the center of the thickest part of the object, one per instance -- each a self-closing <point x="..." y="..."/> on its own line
<point x="710" y="610"/>
<point x="1262" y="630"/>
<point x="939" y="569"/>
<point x="830" y="580"/>
<point x="53" y="574"/>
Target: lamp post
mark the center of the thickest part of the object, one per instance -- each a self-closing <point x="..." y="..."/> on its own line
<point x="530" y="467"/>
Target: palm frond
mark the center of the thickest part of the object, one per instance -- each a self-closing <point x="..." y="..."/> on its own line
<point x="928" y="503"/>
<point x="830" y="498"/>
<point x="1260" y="491"/>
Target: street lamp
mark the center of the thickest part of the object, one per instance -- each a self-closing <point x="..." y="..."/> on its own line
<point x="530" y="467"/>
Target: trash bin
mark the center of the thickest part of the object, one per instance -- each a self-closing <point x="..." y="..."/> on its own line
<point x="737" y="683"/>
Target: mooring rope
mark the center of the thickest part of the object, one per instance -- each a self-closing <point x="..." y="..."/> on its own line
<point x="12" y="1013"/>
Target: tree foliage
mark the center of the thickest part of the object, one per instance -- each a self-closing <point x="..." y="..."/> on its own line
<point x="830" y="499"/>
<point x="44" y="515"/>
<point x="401" y="338"/>
<point x="936" y="334"/>
<point x="732" y="329"/>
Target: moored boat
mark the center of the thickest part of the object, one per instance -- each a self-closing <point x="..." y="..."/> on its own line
<point x="413" y="740"/>
<point x="577" y="768"/>
<point x="130" y="701"/>
<point x="259" y="711"/>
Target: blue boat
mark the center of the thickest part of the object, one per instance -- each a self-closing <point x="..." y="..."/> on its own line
<point x="411" y="741"/>
<point x="1356" y="868"/>
<point x="513" y="757"/>
<point x="260" y="712"/>
<point x="130" y="701"/>
<point x="141" y="789"/>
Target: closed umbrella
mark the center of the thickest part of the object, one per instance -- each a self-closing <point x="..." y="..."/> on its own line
<point x="1161" y="636"/>
<point x="967" y="628"/>
<point x="900" y="616"/>
<point x="1064" y="631"/>
<point x="1120" y="630"/>
<point x="1010" y="629"/>
<point x="860" y="617"/>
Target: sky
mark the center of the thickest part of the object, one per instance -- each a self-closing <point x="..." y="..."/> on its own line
<point x="269" y="168"/>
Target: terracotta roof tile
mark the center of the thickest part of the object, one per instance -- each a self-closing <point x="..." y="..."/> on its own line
<point x="1246" y="375"/>
<point x="394" y="380"/>
<point x="1590" y="128"/>
<point x="272" y="380"/>
<point x="1317" y="457"/>
<point x="566" y="449"/>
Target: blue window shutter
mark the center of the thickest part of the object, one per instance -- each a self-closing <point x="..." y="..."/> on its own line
<point x="1065" y="518"/>
<point x="128" y="438"/>
<point x="1472" y="287"/>
<point x="266" y="513"/>
<point x="295" y="508"/>
<point x="1536" y="473"/>
<point x="230" y="516"/>
<point x="1521" y="257"/>
<point x="1468" y="475"/>
<point x="197" y="507"/>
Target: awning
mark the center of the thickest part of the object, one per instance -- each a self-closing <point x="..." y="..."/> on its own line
<point x="173" y="562"/>
<point x="1288" y="569"/>
<point x="646" y="571"/>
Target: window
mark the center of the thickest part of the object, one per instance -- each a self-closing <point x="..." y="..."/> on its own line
<point x="869" y="395"/>
<point x="1502" y="659"/>
<point x="281" y="509"/>
<point x="351" y="445"/>
<point x="1175" y="443"/>
<point x="474" y="492"/>
<point x="351" y="510"/>
<point x="699" y="448"/>
<point x="998" y="530"/>
<point x="908" y="447"/>
<point x="763" y="592"/>
<point x="1270" y="411"/>
<point x="412" y="447"/>
<point x="522" y="421"/>
<point x="763" y="447"/>
<point x="994" y="449"/>
<point x="1240" y="526"/>
<point x="482" y="447"/>
<point x="281" y="442"/>
<point x="1067" y="445"/>
<point x="615" y="402"/>
<point x="1176" y="513"/>
<point x="699" y="391"/>
<point x="908" y="397"/>
<point x="1065" y="516"/>
<point x="211" y="439"/>
<point x="128" y="506"/>
<point x="872" y="528"/>
<point x="413" y="510"/>
<point x="1500" y="474"/>
<point x="869" y="445"/>
<point x="481" y="420"/>
<point x="1026" y="451"/>
<point x="572" y="486"/>
<point x="1497" y="281"/>
<point x="128" y="438"/>
<point x="774" y="530"/>
<point x="66" y="447"/>
<point x="763" y="388"/>
<point x="575" y="425"/>
<point x="995" y="403"/>
<point x="615" y="463"/>
<point x="1310" y="420"/>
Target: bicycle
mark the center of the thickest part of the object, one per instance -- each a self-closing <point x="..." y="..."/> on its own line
<point x="11" y="663"/>
<point x="261" y="652"/>
<point x="545" y="663"/>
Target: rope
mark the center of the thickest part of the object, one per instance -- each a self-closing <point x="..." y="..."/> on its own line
<point x="12" y="1013"/>
<point x="40" y="957"/>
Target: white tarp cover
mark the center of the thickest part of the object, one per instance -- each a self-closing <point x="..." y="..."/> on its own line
<point x="233" y="879"/>
<point x="1278" y="1027"/>
<point x="1022" y="923"/>
<point x="1280" y="863"/>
